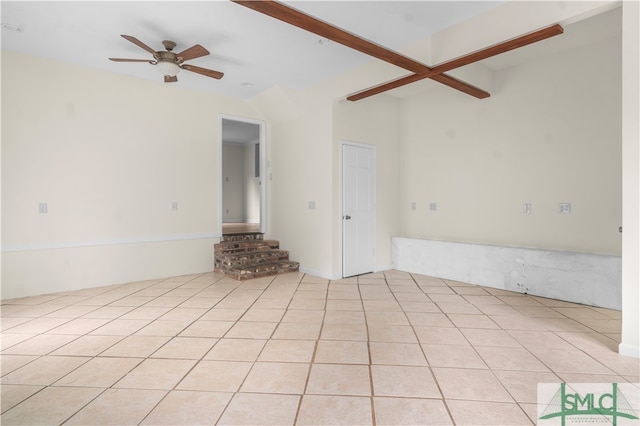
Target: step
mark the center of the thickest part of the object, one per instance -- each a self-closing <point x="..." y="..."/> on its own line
<point x="263" y="270"/>
<point x="245" y="236"/>
<point x="229" y="260"/>
<point x="248" y="255"/>
<point x="231" y="247"/>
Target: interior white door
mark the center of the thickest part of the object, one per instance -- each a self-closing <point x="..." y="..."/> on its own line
<point x="358" y="209"/>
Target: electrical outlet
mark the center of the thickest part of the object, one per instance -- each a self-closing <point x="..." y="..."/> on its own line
<point x="433" y="206"/>
<point x="413" y="205"/>
<point x="526" y="208"/>
<point x="564" y="208"/>
<point x="312" y="205"/>
<point x="524" y="289"/>
<point x="174" y="206"/>
<point x="43" y="208"/>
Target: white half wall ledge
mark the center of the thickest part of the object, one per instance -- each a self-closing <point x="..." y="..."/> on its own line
<point x="589" y="279"/>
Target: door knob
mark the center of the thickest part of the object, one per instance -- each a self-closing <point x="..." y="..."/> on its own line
<point x="347" y="217"/>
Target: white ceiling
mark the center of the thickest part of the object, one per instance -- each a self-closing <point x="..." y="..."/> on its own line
<point x="247" y="46"/>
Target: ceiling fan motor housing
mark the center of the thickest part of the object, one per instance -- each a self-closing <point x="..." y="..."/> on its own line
<point x="167" y="57"/>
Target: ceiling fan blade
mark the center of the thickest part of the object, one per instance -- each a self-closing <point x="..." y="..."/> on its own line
<point x="301" y="20"/>
<point x="476" y="56"/>
<point x="139" y="44"/>
<point x="170" y="79"/>
<point x="130" y="60"/>
<point x="193" y="52"/>
<point x="204" y="71"/>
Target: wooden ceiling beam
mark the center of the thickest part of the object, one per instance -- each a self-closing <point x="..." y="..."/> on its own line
<point x="306" y="22"/>
<point x="461" y="61"/>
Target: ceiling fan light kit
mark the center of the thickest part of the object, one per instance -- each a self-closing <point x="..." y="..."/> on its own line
<point x="167" y="68"/>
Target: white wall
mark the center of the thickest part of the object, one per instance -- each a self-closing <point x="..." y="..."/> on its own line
<point x="233" y="183"/>
<point x="630" y="344"/>
<point x="251" y="185"/>
<point x="300" y="152"/>
<point x="549" y="134"/>
<point x="605" y="210"/>
<point x="109" y="155"/>
<point x="376" y="122"/>
<point x="305" y="129"/>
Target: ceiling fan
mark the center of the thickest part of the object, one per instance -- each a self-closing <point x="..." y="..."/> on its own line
<point x="419" y="71"/>
<point x="169" y="63"/>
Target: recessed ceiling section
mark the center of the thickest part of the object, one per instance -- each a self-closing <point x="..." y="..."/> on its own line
<point x="393" y="24"/>
<point x="604" y="26"/>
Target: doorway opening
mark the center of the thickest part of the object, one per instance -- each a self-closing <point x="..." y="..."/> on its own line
<point x="242" y="166"/>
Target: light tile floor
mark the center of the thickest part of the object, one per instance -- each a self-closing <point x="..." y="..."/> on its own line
<point x="384" y="348"/>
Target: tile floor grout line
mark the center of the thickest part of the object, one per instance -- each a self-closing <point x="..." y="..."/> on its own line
<point x="195" y="364"/>
<point x="431" y="372"/>
<point x="143" y="359"/>
<point x="313" y="355"/>
<point x="253" y="363"/>
<point x="370" y="366"/>
<point x="84" y="406"/>
<point x="488" y="368"/>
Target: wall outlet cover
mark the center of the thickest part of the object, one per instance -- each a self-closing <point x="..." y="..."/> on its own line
<point x="564" y="208"/>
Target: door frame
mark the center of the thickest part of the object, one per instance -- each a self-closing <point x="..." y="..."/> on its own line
<point x="263" y="169"/>
<point x="373" y="187"/>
